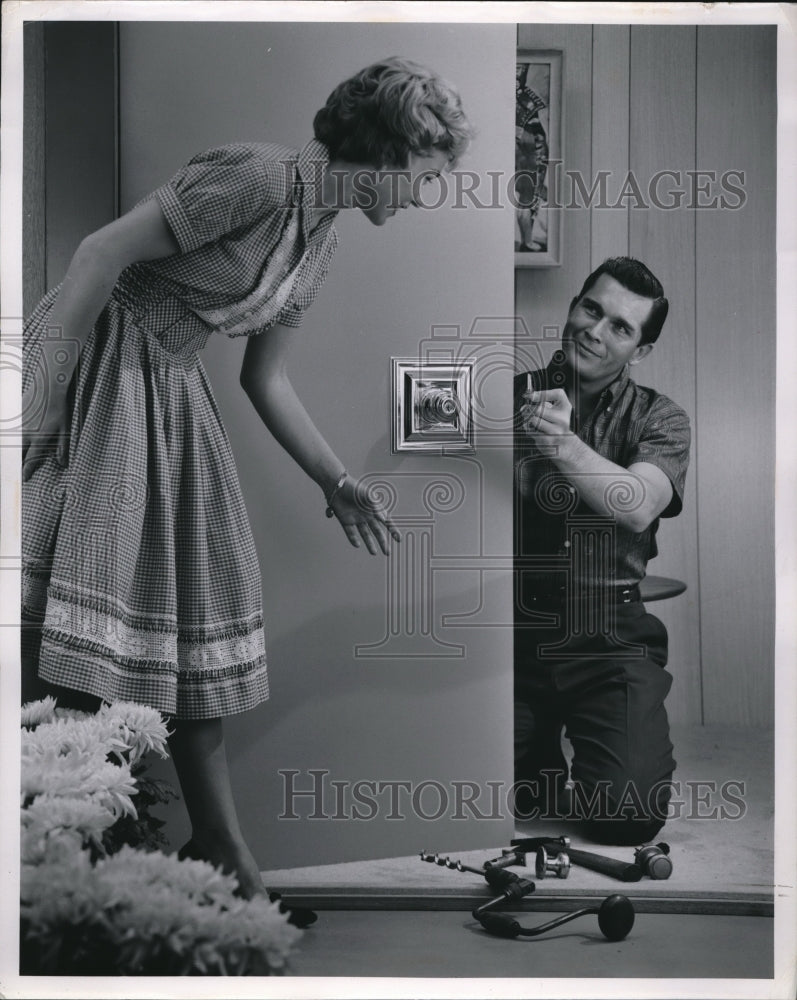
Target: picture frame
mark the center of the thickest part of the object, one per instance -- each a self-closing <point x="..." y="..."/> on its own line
<point x="538" y="157"/>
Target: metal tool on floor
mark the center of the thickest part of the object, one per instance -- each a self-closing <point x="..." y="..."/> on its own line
<point x="554" y="857"/>
<point x="517" y="855"/>
<point x="654" y="861"/>
<point x="621" y="870"/>
<point x="446" y="862"/>
<point x="615" y="914"/>
<point x="548" y="864"/>
<point x="615" y="919"/>
<point x="506" y="885"/>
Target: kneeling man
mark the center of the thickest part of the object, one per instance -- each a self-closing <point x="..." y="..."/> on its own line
<point x="599" y="460"/>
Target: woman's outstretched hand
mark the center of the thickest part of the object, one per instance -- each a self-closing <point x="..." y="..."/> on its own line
<point x="362" y="519"/>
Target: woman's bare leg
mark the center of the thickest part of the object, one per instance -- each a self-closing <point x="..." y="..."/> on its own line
<point x="200" y="757"/>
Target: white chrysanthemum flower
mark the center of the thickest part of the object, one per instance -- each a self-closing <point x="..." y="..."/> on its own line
<point x="49" y="819"/>
<point x="36" y="712"/>
<point x="261" y="925"/>
<point x="48" y="771"/>
<point x="190" y="878"/>
<point x="191" y="907"/>
<point x="88" y="736"/>
<point x="142" y="908"/>
<point x="75" y="775"/>
<point x="57" y="846"/>
<point x="46" y="889"/>
<point x="72" y="713"/>
<point x="112" y="785"/>
<point x="123" y="730"/>
<point x="140" y="726"/>
<point x="139" y="911"/>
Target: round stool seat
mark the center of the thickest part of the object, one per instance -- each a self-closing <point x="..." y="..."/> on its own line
<point x="658" y="588"/>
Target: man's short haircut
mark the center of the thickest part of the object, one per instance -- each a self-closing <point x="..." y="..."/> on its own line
<point x="639" y="279"/>
<point x="389" y="110"/>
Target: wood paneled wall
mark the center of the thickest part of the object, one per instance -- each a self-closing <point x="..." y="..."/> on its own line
<point x="662" y="137"/>
<point x="735" y="365"/>
<point x="638" y="101"/>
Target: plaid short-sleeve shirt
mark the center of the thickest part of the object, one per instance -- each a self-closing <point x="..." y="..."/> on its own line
<point x="630" y="423"/>
<point x="230" y="210"/>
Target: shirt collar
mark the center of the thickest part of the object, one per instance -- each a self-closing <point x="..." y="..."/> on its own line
<point x="615" y="389"/>
<point x="310" y="166"/>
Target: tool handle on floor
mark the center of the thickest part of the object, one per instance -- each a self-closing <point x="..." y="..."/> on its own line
<point x="501" y="880"/>
<point x="621" y="870"/>
<point x="516" y="889"/>
<point x="529" y="845"/>
<point x="507" y="858"/>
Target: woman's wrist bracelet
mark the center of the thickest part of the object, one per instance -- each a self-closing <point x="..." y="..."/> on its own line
<point x="334" y="492"/>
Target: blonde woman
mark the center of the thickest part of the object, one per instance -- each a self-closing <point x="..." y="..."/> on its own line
<point x="140" y="576"/>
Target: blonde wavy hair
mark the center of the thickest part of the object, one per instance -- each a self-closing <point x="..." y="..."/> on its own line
<point x="389" y="110"/>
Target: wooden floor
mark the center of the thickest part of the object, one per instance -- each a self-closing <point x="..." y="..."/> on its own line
<point x="721" y="848"/>
<point x="453" y="945"/>
<point x="401" y="917"/>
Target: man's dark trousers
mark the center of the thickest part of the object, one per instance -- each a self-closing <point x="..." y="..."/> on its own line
<point x="601" y="675"/>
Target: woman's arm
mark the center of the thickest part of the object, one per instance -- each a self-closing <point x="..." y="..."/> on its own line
<point x="141" y="234"/>
<point x="265" y="380"/>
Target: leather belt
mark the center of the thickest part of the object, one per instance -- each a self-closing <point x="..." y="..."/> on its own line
<point x="561" y="595"/>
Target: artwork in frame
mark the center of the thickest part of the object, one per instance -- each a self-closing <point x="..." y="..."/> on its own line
<point x="538" y="155"/>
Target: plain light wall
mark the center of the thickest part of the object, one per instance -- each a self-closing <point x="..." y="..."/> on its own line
<point x="433" y="709"/>
<point x="644" y="99"/>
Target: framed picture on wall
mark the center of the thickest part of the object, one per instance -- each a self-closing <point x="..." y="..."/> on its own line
<point x="538" y="156"/>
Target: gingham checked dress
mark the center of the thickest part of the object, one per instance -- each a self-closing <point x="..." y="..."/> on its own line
<point x="140" y="576"/>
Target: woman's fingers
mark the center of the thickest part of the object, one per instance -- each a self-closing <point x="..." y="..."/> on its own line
<point x="391" y="528"/>
<point x="367" y="536"/>
<point x="364" y="521"/>
<point x="383" y="529"/>
<point x="360" y="532"/>
<point x="352" y="534"/>
<point x="380" y="531"/>
<point x="374" y="531"/>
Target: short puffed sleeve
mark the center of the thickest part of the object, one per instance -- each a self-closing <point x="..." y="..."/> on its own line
<point x="222" y="190"/>
<point x="665" y="442"/>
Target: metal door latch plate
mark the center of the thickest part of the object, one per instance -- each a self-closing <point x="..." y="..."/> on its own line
<point x="432" y="406"/>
